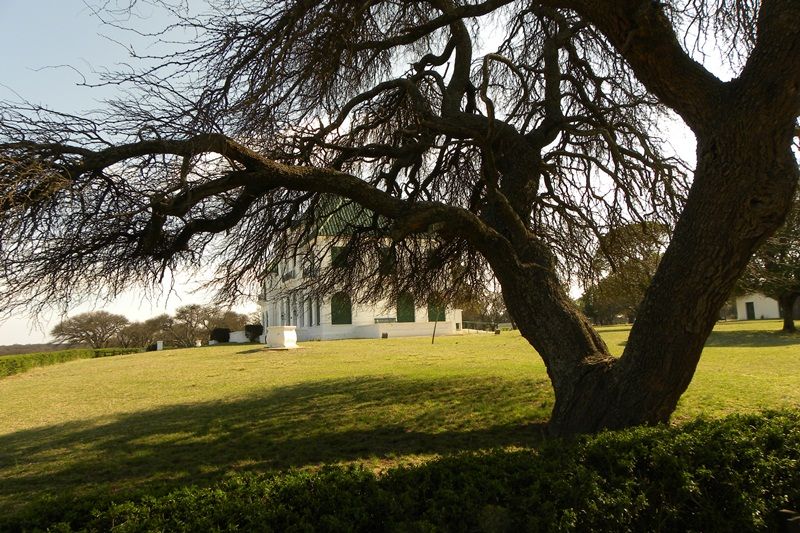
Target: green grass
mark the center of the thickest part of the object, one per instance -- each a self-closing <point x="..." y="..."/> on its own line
<point x="155" y="420"/>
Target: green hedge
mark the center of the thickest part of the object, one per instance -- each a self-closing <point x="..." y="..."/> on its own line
<point x="729" y="475"/>
<point x="16" y="364"/>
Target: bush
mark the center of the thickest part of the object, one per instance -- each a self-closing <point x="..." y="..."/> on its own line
<point x="221" y="334"/>
<point x="729" y="475"/>
<point x="253" y="331"/>
<point x="16" y="364"/>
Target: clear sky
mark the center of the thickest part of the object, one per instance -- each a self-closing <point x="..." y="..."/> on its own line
<point x="42" y="44"/>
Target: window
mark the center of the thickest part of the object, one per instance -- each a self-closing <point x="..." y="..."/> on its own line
<point x="301" y="312"/>
<point x="387" y="261"/>
<point x="435" y="311"/>
<point x="310" y="269"/>
<point x="405" y="308"/>
<point x="338" y="257"/>
<point x="341" y="309"/>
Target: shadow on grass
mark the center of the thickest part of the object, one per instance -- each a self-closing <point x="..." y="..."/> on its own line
<point x="261" y="349"/>
<point x="375" y="419"/>
<point x="752" y="338"/>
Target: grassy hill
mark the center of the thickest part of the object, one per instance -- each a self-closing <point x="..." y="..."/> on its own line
<point x="152" y="421"/>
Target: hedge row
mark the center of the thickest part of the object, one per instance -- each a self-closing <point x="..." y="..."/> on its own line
<point x="16" y="364"/>
<point x="729" y="475"/>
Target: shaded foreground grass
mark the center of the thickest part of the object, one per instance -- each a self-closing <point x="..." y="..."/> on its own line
<point x="154" y="421"/>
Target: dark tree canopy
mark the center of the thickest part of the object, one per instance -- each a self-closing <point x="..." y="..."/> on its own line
<point x="478" y="136"/>
<point x="625" y="262"/>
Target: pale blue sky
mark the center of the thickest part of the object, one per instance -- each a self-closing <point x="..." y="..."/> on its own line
<point x="40" y="40"/>
<point x="36" y="36"/>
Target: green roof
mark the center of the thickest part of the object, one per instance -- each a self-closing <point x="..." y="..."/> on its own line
<point x="336" y="215"/>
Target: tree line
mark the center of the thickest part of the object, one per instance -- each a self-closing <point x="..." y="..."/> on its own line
<point x="190" y="323"/>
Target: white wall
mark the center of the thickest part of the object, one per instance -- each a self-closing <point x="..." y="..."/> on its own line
<point x="764" y="307"/>
<point x="238" y="336"/>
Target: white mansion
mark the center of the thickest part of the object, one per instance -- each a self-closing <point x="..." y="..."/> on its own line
<point x="285" y="302"/>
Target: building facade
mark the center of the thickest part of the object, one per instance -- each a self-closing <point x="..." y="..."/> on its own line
<point x="756" y="306"/>
<point x="287" y="298"/>
<point x="286" y="301"/>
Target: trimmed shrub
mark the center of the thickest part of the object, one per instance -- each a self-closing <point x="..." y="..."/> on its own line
<point x="16" y="364"/>
<point x="221" y="334"/>
<point x="728" y="475"/>
<point x="253" y="331"/>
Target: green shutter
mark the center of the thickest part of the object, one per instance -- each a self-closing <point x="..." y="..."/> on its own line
<point x="435" y="312"/>
<point x="338" y="257"/>
<point x="405" y="308"/>
<point x="387" y="261"/>
<point x="341" y="309"/>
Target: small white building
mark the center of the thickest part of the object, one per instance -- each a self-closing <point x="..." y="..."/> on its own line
<point x="756" y="306"/>
<point x="285" y="301"/>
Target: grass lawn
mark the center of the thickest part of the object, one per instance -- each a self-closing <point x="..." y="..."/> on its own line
<point x="160" y="419"/>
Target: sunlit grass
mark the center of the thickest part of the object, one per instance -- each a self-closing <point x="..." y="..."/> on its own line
<point x="159" y="419"/>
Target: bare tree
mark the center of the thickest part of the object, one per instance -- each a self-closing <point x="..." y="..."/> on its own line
<point x="95" y="328"/>
<point x="142" y="334"/>
<point x="195" y="322"/>
<point x="513" y="160"/>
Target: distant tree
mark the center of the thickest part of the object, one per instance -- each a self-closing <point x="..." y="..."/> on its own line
<point x="253" y="331"/>
<point x="774" y="270"/>
<point x="195" y="322"/>
<point x="95" y="328"/>
<point x="141" y="334"/>
<point x="232" y="320"/>
<point x="610" y="298"/>
<point x="220" y="334"/>
<point x="728" y="311"/>
<point x="487" y="306"/>
<point x="622" y="269"/>
<point x="496" y="310"/>
<point x="189" y="324"/>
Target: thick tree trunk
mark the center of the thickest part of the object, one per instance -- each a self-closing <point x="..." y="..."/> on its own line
<point x="786" y="303"/>
<point x="741" y="193"/>
<point x="577" y="360"/>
